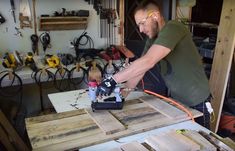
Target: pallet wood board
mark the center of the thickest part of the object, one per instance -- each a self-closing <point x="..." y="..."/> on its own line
<point x="169" y="142"/>
<point x="222" y="60"/>
<point x="205" y="145"/>
<point x="164" y="107"/>
<point x="107" y="122"/>
<point x="133" y="146"/>
<point x="76" y="129"/>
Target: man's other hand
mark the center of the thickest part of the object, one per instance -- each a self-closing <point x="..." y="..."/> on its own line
<point x="106" y="87"/>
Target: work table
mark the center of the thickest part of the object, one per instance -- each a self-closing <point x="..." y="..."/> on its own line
<point x="81" y="128"/>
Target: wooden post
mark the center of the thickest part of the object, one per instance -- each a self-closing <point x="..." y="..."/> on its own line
<point x="35" y="23"/>
<point x="222" y="59"/>
<point x="122" y="12"/>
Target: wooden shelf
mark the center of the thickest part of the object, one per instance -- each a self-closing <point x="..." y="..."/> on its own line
<point x="62" y="23"/>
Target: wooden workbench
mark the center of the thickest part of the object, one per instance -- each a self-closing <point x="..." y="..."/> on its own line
<point x="78" y="129"/>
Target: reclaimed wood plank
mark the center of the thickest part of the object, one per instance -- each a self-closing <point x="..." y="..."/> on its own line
<point x="166" y="142"/>
<point x="49" y="117"/>
<point x="133" y="146"/>
<point x="205" y="145"/>
<point x="164" y="107"/>
<point x="64" y="137"/>
<point x="222" y="60"/>
<point x="106" y="121"/>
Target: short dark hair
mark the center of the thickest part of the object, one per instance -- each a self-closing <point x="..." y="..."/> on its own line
<point x="145" y="4"/>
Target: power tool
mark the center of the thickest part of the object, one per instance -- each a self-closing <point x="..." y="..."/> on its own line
<point x="12" y="60"/>
<point x="52" y="60"/>
<point x="110" y="103"/>
<point x="29" y="61"/>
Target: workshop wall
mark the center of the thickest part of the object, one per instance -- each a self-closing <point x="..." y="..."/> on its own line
<point x="60" y="40"/>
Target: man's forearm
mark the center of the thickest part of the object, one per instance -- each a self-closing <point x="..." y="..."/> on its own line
<point x="132" y="83"/>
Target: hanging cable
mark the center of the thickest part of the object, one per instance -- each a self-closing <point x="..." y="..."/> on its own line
<point x="61" y="79"/>
<point x="77" y="71"/>
<point x="45" y="40"/>
<point x="40" y="76"/>
<point x="82" y="40"/>
<point x="8" y="90"/>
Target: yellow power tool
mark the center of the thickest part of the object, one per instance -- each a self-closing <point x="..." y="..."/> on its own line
<point x="12" y="60"/>
<point x="53" y="61"/>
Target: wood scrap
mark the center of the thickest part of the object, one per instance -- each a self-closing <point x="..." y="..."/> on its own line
<point x="133" y="146"/>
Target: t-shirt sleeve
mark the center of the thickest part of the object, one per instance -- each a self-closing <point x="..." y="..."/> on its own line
<point x="171" y="34"/>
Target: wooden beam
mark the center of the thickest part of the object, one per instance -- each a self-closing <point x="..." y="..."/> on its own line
<point x="222" y="59"/>
<point x="122" y="18"/>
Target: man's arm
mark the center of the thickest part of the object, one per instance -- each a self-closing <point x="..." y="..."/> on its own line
<point x="132" y="83"/>
<point x="138" y="68"/>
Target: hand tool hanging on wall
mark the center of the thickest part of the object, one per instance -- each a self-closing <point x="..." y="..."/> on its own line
<point x="18" y="32"/>
<point x="34" y="39"/>
<point x="2" y="19"/>
<point x="13" y="9"/>
<point x="25" y="14"/>
<point x="45" y="40"/>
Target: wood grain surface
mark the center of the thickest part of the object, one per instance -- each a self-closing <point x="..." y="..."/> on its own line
<point x="76" y="129"/>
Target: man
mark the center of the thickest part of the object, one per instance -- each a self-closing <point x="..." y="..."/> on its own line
<point x="169" y="46"/>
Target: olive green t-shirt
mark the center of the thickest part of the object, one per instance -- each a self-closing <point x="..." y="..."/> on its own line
<point x="182" y="68"/>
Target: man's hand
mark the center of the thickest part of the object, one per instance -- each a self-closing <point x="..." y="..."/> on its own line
<point x="106" y="87"/>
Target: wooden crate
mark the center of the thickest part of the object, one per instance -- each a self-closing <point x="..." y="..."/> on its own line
<point x="62" y="23"/>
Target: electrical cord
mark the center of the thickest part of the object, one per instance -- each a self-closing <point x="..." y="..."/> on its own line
<point x="15" y="80"/>
<point x="82" y="40"/>
<point x="61" y="79"/>
<point x="45" y="40"/>
<point x="77" y="81"/>
<point x="170" y="101"/>
<point x="40" y="76"/>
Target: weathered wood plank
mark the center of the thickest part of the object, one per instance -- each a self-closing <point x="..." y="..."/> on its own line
<point x="69" y="134"/>
<point x="133" y="146"/>
<point x="205" y="145"/>
<point x="106" y="121"/>
<point x="222" y="60"/>
<point x="165" y="142"/>
<point x="45" y="118"/>
<point x="163" y="107"/>
<point x="184" y="140"/>
<point x="137" y="115"/>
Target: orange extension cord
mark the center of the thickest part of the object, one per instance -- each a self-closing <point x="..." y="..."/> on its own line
<point x="181" y="107"/>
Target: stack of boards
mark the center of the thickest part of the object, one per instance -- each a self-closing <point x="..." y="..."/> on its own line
<point x="170" y="141"/>
<point x="177" y="140"/>
<point x="82" y="128"/>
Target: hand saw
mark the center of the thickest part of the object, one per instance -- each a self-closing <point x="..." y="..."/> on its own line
<point x="25" y="14"/>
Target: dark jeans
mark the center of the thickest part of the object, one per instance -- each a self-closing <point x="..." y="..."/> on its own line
<point x="205" y="119"/>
